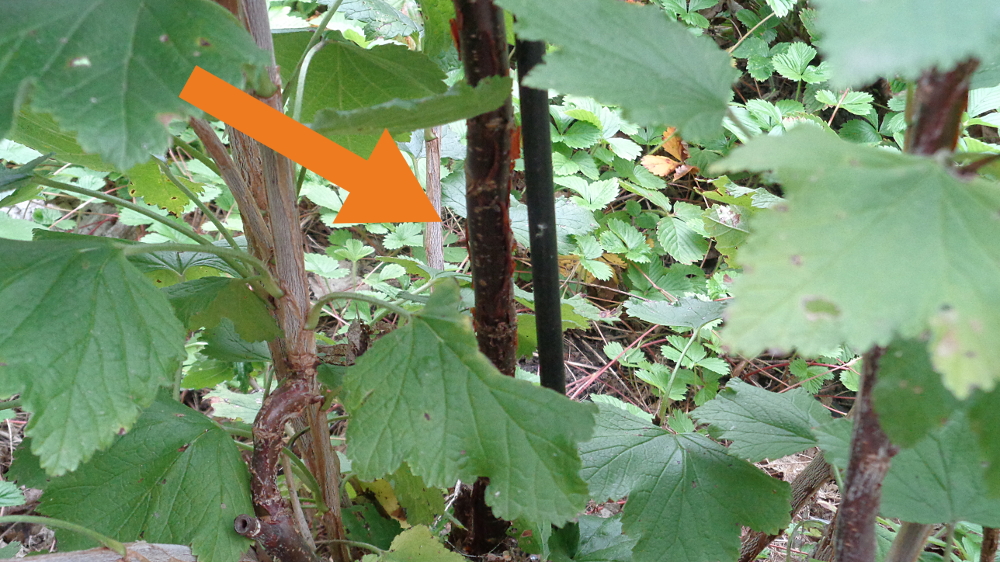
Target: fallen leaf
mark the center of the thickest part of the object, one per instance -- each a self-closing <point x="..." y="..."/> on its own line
<point x="659" y="165"/>
<point x="674" y="145"/>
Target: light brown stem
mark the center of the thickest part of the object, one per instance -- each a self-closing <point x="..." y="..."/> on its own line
<point x="268" y="177"/>
<point x="909" y="542"/>
<point x="258" y="234"/>
<point x="432" y="230"/>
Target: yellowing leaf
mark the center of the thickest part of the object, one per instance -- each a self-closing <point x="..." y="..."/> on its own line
<point x="381" y="491"/>
<point x="150" y="183"/>
<point x="417" y="545"/>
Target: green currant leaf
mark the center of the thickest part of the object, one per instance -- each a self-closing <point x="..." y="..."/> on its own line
<point x="947" y="470"/>
<point x="225" y="344"/>
<point x="461" y="101"/>
<point x="687" y="498"/>
<point x="343" y="77"/>
<point x="176" y="477"/>
<point x="16" y="184"/>
<point x="763" y="424"/>
<point x="423" y="504"/>
<point x="984" y="418"/>
<point x="85" y="373"/>
<point x="203" y="303"/>
<point x="865" y="40"/>
<point x="112" y="69"/>
<point x="437" y="43"/>
<point x="852" y="208"/>
<point x="462" y="419"/>
<point x="40" y="132"/>
<point x="909" y="396"/>
<point x="673" y="77"/>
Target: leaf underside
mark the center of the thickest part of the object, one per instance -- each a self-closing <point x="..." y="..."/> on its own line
<point x="342" y="76"/>
<point x="870" y="245"/>
<point x="402" y="116"/>
<point x="865" y="40"/>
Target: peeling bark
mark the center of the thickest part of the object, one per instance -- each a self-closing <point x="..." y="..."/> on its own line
<point x="487" y="179"/>
<point x="483" y="47"/>
<point x="267" y="190"/>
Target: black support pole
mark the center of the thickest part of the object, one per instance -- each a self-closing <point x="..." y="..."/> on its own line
<point x="541" y="218"/>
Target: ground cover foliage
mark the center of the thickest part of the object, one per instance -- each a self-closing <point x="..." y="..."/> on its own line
<point x="744" y="227"/>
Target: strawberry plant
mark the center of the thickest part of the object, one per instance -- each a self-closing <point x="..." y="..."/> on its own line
<point x="810" y="182"/>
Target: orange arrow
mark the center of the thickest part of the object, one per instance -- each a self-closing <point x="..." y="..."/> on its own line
<point x="382" y="188"/>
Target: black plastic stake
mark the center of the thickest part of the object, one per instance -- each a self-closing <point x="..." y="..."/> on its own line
<point x="541" y="219"/>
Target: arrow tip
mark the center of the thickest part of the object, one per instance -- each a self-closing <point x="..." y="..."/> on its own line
<point x="393" y="193"/>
